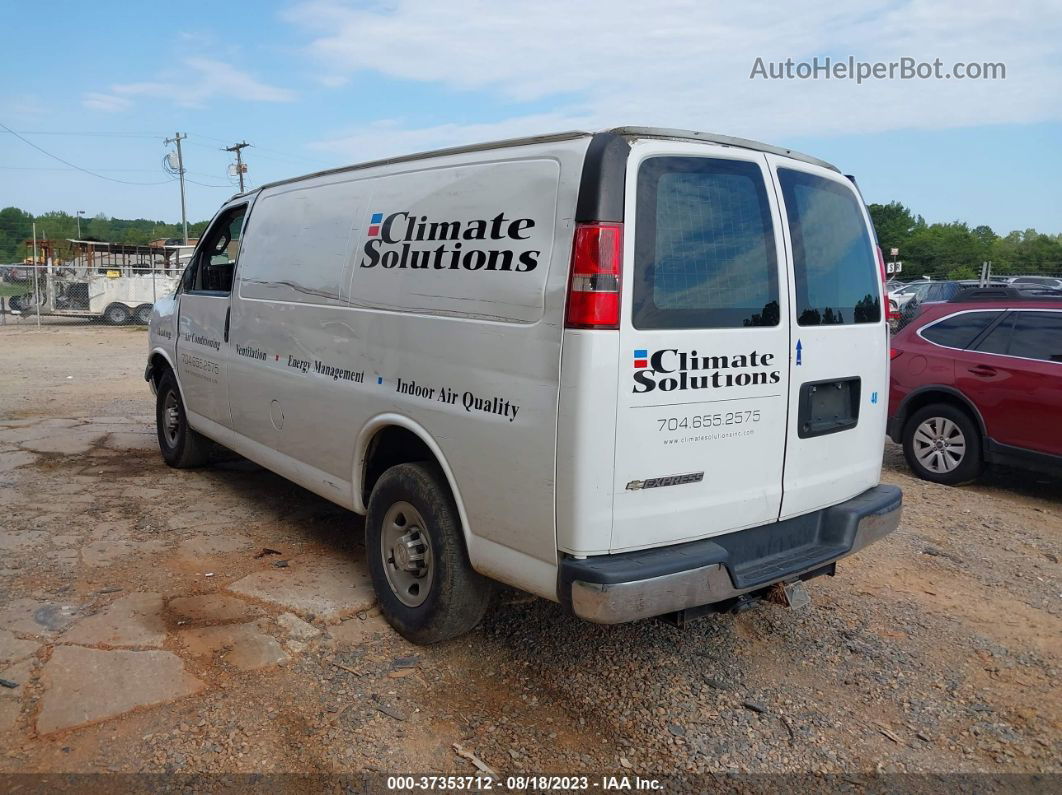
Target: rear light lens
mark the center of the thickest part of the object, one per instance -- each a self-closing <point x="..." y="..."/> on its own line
<point x="594" y="289"/>
<point x="893" y="353"/>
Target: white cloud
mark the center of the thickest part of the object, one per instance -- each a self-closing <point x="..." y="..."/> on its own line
<point x="107" y="103"/>
<point x="193" y="86"/>
<point x="686" y="63"/>
<point x="392" y="137"/>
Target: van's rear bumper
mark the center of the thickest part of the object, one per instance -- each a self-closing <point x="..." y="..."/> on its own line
<point x="609" y="589"/>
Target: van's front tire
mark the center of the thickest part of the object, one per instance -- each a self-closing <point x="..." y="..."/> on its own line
<point x="181" y="447"/>
<point x="426" y="587"/>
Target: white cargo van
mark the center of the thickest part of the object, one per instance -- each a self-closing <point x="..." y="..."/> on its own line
<point x="637" y="372"/>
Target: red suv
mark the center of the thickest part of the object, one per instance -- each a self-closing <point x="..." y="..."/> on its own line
<point x="979" y="380"/>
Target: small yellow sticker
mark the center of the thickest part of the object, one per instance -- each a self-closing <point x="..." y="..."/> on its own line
<point x="113" y="274"/>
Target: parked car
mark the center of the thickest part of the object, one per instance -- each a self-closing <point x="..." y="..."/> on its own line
<point x="935" y="293"/>
<point x="978" y="380"/>
<point x="568" y="363"/>
<point x="1040" y="281"/>
<point x="902" y="293"/>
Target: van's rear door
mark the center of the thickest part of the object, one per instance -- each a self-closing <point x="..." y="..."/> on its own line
<point x="704" y="341"/>
<point x="838" y="379"/>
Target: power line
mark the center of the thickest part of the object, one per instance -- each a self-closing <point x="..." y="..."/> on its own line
<point x="77" y="167"/>
<point x="57" y="168"/>
<point x="259" y="149"/>
<point x="205" y="185"/>
<point x="87" y="134"/>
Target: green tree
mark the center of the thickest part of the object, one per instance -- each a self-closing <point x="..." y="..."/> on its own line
<point x="894" y="224"/>
<point x="15" y="227"/>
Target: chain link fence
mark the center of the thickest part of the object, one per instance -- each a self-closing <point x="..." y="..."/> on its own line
<point x="906" y="300"/>
<point x="110" y="293"/>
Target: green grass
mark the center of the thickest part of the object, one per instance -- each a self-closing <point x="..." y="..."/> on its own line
<point x="7" y="290"/>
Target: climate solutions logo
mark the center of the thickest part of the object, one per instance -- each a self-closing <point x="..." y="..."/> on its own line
<point x="406" y="240"/>
<point x="670" y="369"/>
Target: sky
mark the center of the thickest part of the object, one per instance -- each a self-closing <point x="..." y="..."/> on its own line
<point x="315" y="84"/>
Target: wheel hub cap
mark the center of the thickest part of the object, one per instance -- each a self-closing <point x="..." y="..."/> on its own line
<point x="407" y="555"/>
<point x="171" y="418"/>
<point x="939" y="445"/>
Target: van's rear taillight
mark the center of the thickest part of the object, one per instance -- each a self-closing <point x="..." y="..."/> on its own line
<point x="594" y="289"/>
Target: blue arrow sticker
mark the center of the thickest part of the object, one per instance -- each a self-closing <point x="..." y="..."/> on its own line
<point x="798" y="350"/>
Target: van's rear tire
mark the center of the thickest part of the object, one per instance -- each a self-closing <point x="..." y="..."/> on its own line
<point x="181" y="447"/>
<point x="426" y="587"/>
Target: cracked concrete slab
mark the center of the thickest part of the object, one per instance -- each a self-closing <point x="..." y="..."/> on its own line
<point x="83" y="686"/>
<point x="211" y="607"/>
<point x="105" y="553"/>
<point x="64" y="443"/>
<point x="31" y="430"/>
<point x="133" y="620"/>
<point x="13" y="649"/>
<point x="202" y="546"/>
<point x="14" y="459"/>
<point x="131" y="441"/>
<point x="312" y="586"/>
<point x="188" y="519"/>
<point x="296" y="627"/>
<point x="358" y="631"/>
<point x="244" y="646"/>
<point x="21" y="540"/>
<point x="36" y="617"/>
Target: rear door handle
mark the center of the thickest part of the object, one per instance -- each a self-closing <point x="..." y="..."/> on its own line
<point x="983" y="370"/>
<point x="227" y="311"/>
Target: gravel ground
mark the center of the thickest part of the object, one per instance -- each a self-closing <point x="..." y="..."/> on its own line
<point x="935" y="651"/>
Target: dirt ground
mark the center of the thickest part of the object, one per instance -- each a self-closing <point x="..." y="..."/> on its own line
<point x="218" y="620"/>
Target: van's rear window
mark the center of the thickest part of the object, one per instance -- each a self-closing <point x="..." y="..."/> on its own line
<point x="704" y="246"/>
<point x="833" y="259"/>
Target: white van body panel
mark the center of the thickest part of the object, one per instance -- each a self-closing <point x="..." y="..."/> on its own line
<point x="429" y="294"/>
<point x="321" y="355"/>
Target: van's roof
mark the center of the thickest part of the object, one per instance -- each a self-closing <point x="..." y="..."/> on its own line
<point x="626" y="132"/>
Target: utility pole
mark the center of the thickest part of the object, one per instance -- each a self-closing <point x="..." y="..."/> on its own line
<point x="177" y="138"/>
<point x="36" y="280"/>
<point x="79" y="214"/>
<point x="241" y="169"/>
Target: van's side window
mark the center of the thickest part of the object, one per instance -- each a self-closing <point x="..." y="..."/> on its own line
<point x="704" y="246"/>
<point x="214" y="266"/>
<point x="833" y="261"/>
